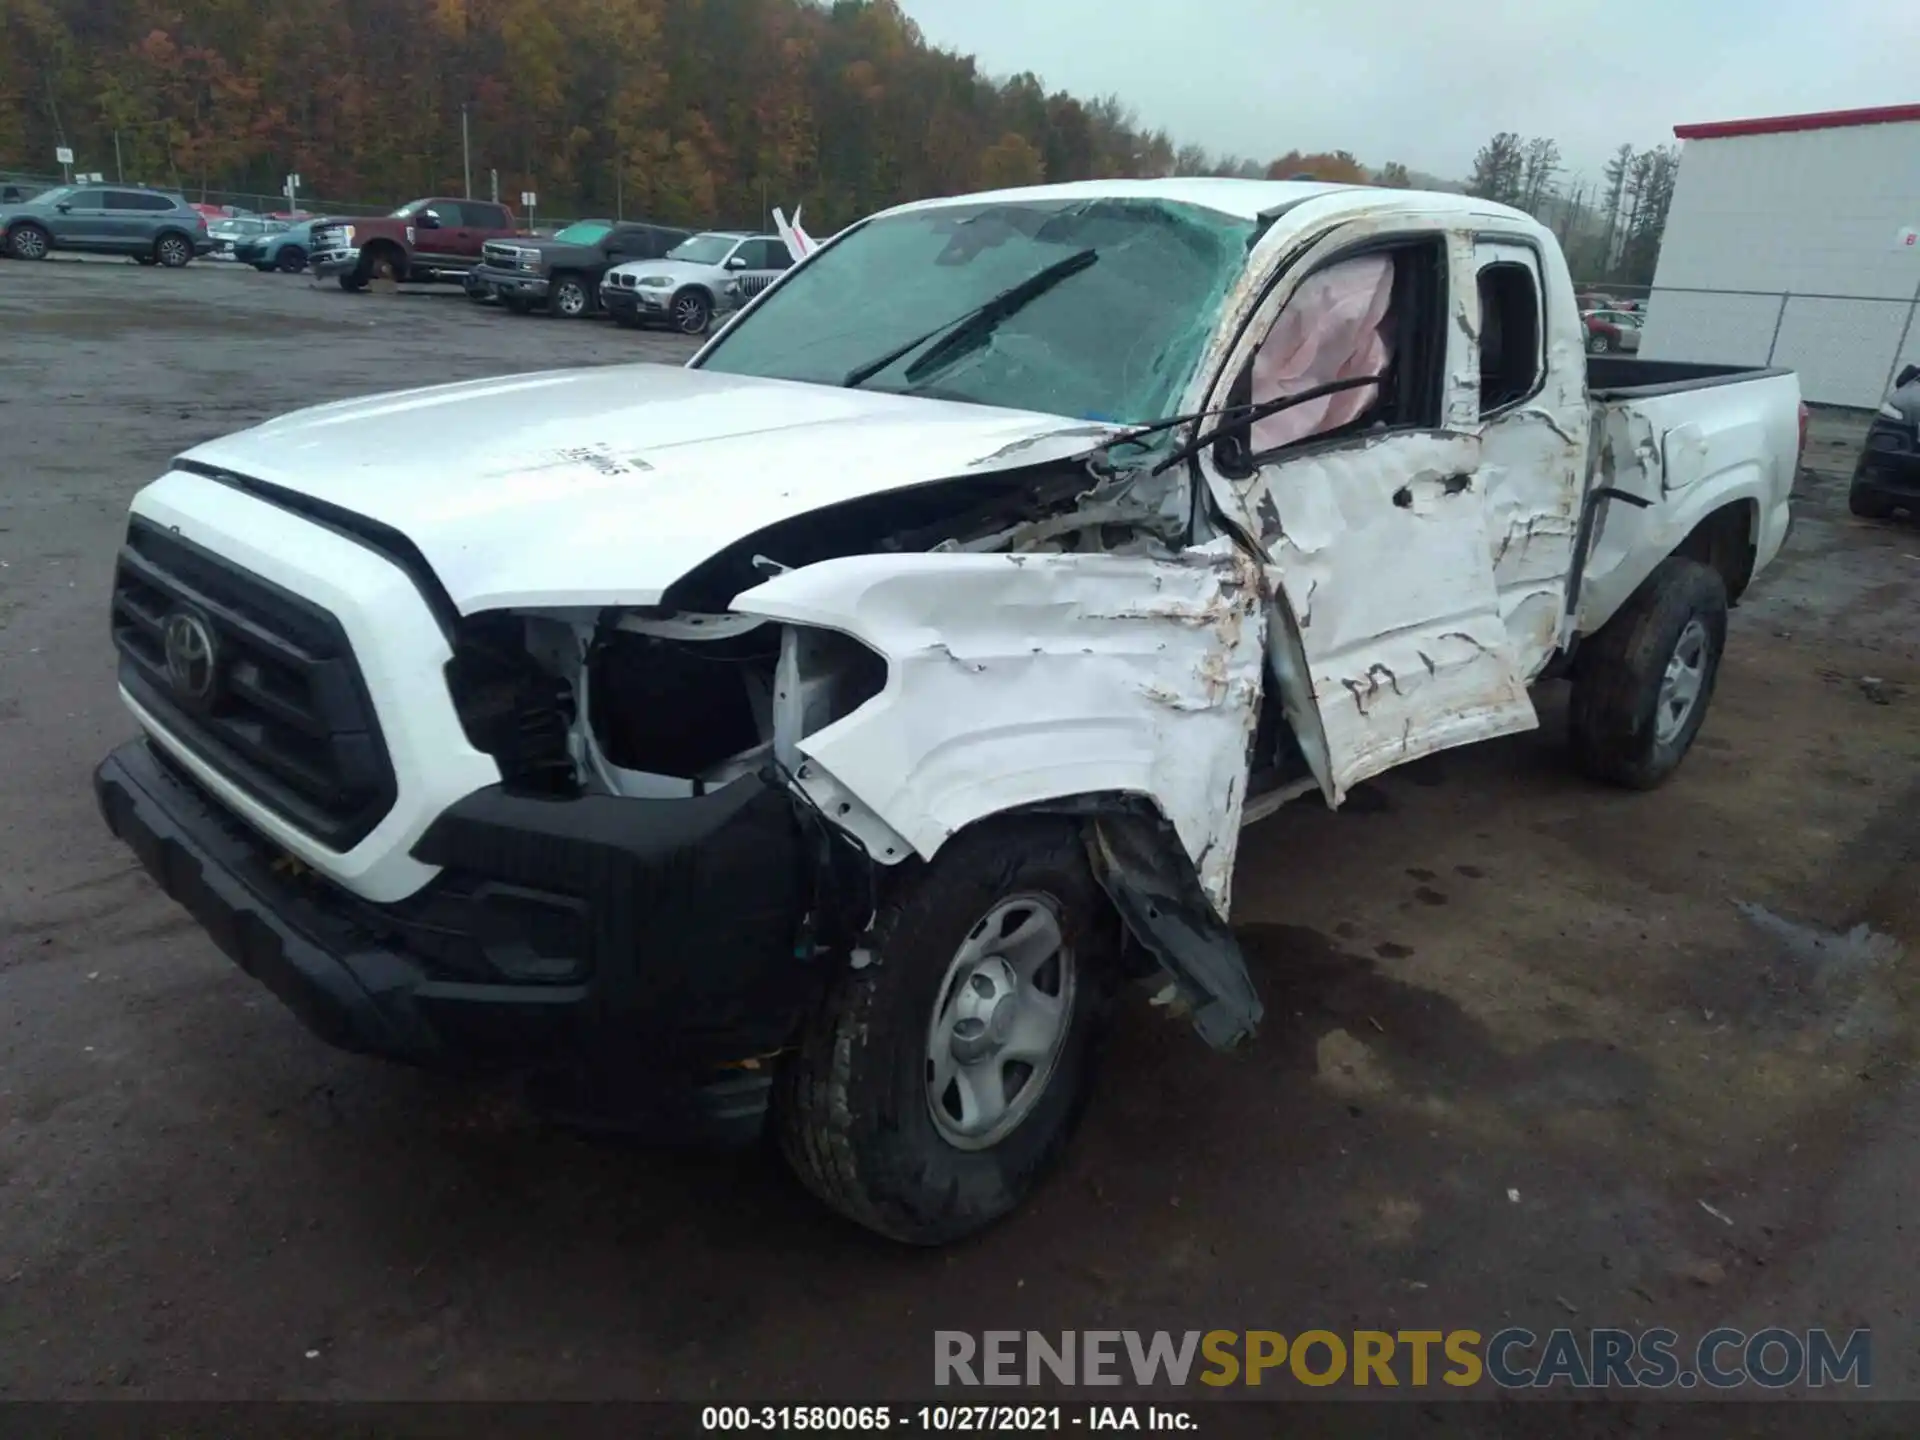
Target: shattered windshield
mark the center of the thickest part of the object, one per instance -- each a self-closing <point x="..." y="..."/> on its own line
<point x="1127" y="292"/>
<point x="704" y="249"/>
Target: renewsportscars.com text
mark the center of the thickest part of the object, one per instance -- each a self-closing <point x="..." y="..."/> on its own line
<point x="1511" y="1358"/>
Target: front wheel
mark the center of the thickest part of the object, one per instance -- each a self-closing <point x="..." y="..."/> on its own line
<point x="569" y="298"/>
<point x="692" y="312"/>
<point x="937" y="1085"/>
<point x="292" y="260"/>
<point x="1642" y="685"/>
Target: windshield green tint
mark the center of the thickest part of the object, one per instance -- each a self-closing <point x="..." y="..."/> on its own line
<point x="1115" y="339"/>
<point x="584" y="232"/>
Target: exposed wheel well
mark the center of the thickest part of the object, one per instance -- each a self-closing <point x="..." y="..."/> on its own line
<point x="1725" y="540"/>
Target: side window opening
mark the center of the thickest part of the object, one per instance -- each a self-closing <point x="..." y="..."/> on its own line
<point x="1381" y="313"/>
<point x="1509" y="335"/>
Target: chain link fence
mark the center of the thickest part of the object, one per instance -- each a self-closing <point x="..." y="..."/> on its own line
<point x="1846" y="349"/>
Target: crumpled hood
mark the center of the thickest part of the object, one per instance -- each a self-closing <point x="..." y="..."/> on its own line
<point x="603" y="486"/>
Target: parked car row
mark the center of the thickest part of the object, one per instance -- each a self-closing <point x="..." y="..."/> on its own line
<point x="637" y="272"/>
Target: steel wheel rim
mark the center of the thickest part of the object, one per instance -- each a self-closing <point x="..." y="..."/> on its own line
<point x="572" y="298"/>
<point x="1000" y="1022"/>
<point x="1681" y="685"/>
<point x="687" y="311"/>
<point x="30" y="244"/>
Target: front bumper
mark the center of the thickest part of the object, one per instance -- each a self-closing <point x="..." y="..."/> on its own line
<point x="636" y="303"/>
<point x="508" y="284"/>
<point x="335" y="262"/>
<point x="663" y="933"/>
<point x="1892" y="473"/>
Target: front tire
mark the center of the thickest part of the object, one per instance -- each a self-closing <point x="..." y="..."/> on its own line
<point x="1642" y="685"/>
<point x="29" y="242"/>
<point x="936" y="1086"/>
<point x="570" y="298"/>
<point x="692" y="312"/>
<point x="292" y="260"/>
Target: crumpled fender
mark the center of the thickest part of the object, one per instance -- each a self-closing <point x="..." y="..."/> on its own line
<point x="1015" y="680"/>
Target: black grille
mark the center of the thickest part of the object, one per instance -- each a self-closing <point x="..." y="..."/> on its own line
<point x="288" y="718"/>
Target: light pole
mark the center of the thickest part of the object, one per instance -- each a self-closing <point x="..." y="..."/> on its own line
<point x="466" y="151"/>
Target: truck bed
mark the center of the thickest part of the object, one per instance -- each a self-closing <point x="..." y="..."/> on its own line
<point x="1627" y="377"/>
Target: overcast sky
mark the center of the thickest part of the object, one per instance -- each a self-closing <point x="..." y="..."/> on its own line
<point x="1426" y="84"/>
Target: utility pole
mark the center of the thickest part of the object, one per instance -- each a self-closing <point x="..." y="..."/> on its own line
<point x="119" y="170"/>
<point x="466" y="151"/>
<point x="619" y="211"/>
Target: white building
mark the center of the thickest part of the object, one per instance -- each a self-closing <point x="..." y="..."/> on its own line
<point x="1795" y="241"/>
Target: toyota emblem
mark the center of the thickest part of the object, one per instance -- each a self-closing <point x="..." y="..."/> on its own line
<point x="192" y="657"/>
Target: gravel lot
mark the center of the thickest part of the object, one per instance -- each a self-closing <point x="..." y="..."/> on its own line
<point x="1485" y="979"/>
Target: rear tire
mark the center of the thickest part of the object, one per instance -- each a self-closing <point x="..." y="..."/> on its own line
<point x="855" y="1108"/>
<point x="173" y="251"/>
<point x="1642" y="685"/>
<point x="29" y="242"/>
<point x="1597" y="345"/>
<point x="1868" y="504"/>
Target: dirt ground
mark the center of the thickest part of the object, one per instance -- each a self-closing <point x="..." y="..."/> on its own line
<point x="1522" y="1034"/>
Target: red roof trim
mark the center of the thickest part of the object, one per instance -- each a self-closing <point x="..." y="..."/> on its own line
<point x="1786" y="124"/>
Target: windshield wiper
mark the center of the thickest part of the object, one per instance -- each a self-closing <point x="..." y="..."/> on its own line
<point x="968" y="330"/>
<point x="1233" y="417"/>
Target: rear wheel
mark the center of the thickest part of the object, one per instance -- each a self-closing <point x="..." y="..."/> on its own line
<point x="692" y="312"/>
<point x="1642" y="685"/>
<point x="173" y="251"/>
<point x="569" y="297"/>
<point x="29" y="242"/>
<point x="1597" y="345"/>
<point x="936" y="1086"/>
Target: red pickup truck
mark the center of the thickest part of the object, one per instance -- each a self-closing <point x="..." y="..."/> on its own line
<point x="433" y="239"/>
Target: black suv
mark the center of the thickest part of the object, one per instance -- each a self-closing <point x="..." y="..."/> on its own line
<point x="563" y="271"/>
<point x="1887" y="477"/>
<point x="152" y="226"/>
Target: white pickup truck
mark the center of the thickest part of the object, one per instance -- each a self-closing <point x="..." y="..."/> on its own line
<point x="817" y="735"/>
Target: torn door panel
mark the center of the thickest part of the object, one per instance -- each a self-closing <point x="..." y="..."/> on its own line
<point x="1382" y="554"/>
<point x="1017" y="679"/>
